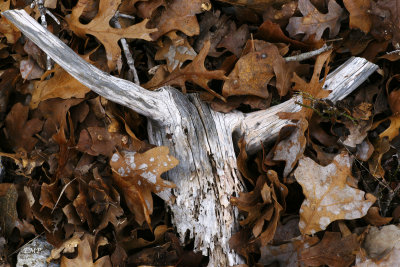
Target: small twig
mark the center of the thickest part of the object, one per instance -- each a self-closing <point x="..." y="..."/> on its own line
<point x="308" y="55"/>
<point x="43" y="11"/>
<point x="62" y="192"/>
<point x="36" y="237"/>
<point x="125" y="47"/>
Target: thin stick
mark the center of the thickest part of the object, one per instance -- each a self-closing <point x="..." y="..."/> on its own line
<point x="36" y="237"/>
<point x="308" y="55"/>
<point x="62" y="192"/>
<point x="125" y="47"/>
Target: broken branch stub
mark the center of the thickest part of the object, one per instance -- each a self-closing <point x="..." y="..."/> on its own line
<point x="207" y="175"/>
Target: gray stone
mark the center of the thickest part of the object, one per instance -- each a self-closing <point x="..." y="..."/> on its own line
<point x="35" y="254"/>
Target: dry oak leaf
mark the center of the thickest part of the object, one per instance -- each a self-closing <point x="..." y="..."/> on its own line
<point x="264" y="204"/>
<point x="333" y="250"/>
<point x="181" y="15"/>
<point x="253" y="72"/>
<point x="19" y="130"/>
<point x="360" y="15"/>
<point x="328" y="194"/>
<point x="138" y="175"/>
<point x="85" y="258"/>
<point x="175" y="54"/>
<point x="61" y="85"/>
<point x="101" y="29"/>
<point x="292" y="148"/>
<point x="394" y="128"/>
<point x="194" y="72"/>
<point x="314" y="22"/>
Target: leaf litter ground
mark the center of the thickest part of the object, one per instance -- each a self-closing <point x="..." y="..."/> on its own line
<point x="78" y="169"/>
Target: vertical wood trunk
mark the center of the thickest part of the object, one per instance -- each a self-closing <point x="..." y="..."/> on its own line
<point x="207" y="177"/>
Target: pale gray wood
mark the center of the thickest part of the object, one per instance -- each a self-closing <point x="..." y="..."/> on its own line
<point x="199" y="137"/>
<point x="264" y="125"/>
<point x="147" y="103"/>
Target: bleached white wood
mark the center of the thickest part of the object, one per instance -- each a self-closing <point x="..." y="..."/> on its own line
<point x="199" y="137"/>
<point x="264" y="125"/>
<point x="148" y="103"/>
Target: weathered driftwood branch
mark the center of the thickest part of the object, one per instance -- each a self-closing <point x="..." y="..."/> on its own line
<point x="264" y="126"/>
<point x="199" y="137"/>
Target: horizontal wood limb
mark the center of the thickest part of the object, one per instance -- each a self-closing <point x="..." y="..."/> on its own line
<point x="264" y="125"/>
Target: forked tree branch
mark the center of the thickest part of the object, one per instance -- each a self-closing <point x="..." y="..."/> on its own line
<point x="256" y="127"/>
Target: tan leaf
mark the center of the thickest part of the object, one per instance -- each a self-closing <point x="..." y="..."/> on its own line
<point x="194" y="72"/>
<point x="328" y="194"/>
<point x="101" y="29"/>
<point x="360" y="15"/>
<point x="373" y="217"/>
<point x="394" y="128"/>
<point x="138" y="175"/>
<point x="85" y="258"/>
<point x="314" y="22"/>
<point x="253" y="72"/>
<point x="61" y="85"/>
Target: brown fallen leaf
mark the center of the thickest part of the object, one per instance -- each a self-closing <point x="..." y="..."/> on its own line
<point x="287" y="254"/>
<point x="194" y="72"/>
<point x="374" y="218"/>
<point x="292" y="148"/>
<point x="253" y="72"/>
<point x="328" y="194"/>
<point x="101" y="29"/>
<point x="138" y="175"/>
<point x="20" y="130"/>
<point x="263" y="206"/>
<point x="360" y="15"/>
<point x="314" y="22"/>
<point x="61" y="85"/>
<point x="181" y="15"/>
<point x="85" y="257"/>
<point x="175" y="54"/>
<point x="333" y="250"/>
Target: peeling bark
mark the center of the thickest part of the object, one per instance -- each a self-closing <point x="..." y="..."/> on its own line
<point x="199" y="137"/>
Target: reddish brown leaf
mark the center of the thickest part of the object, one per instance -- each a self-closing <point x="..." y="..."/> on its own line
<point x="137" y="175"/>
<point x="333" y="250"/>
<point x="360" y="15"/>
<point x="194" y="72"/>
<point x="20" y="130"/>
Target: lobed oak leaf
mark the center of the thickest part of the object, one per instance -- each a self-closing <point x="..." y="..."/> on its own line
<point x="85" y="258"/>
<point x="138" y="175"/>
<point x="329" y="197"/>
<point x="264" y="204"/>
<point x="292" y="148"/>
<point x="194" y="72"/>
<point x="360" y="15"/>
<point x="181" y="15"/>
<point x="61" y="85"/>
<point x="314" y="22"/>
<point x="101" y="29"/>
<point x="333" y="250"/>
<point x="253" y="72"/>
<point x="175" y="53"/>
<point x="394" y="128"/>
<point x="19" y="130"/>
